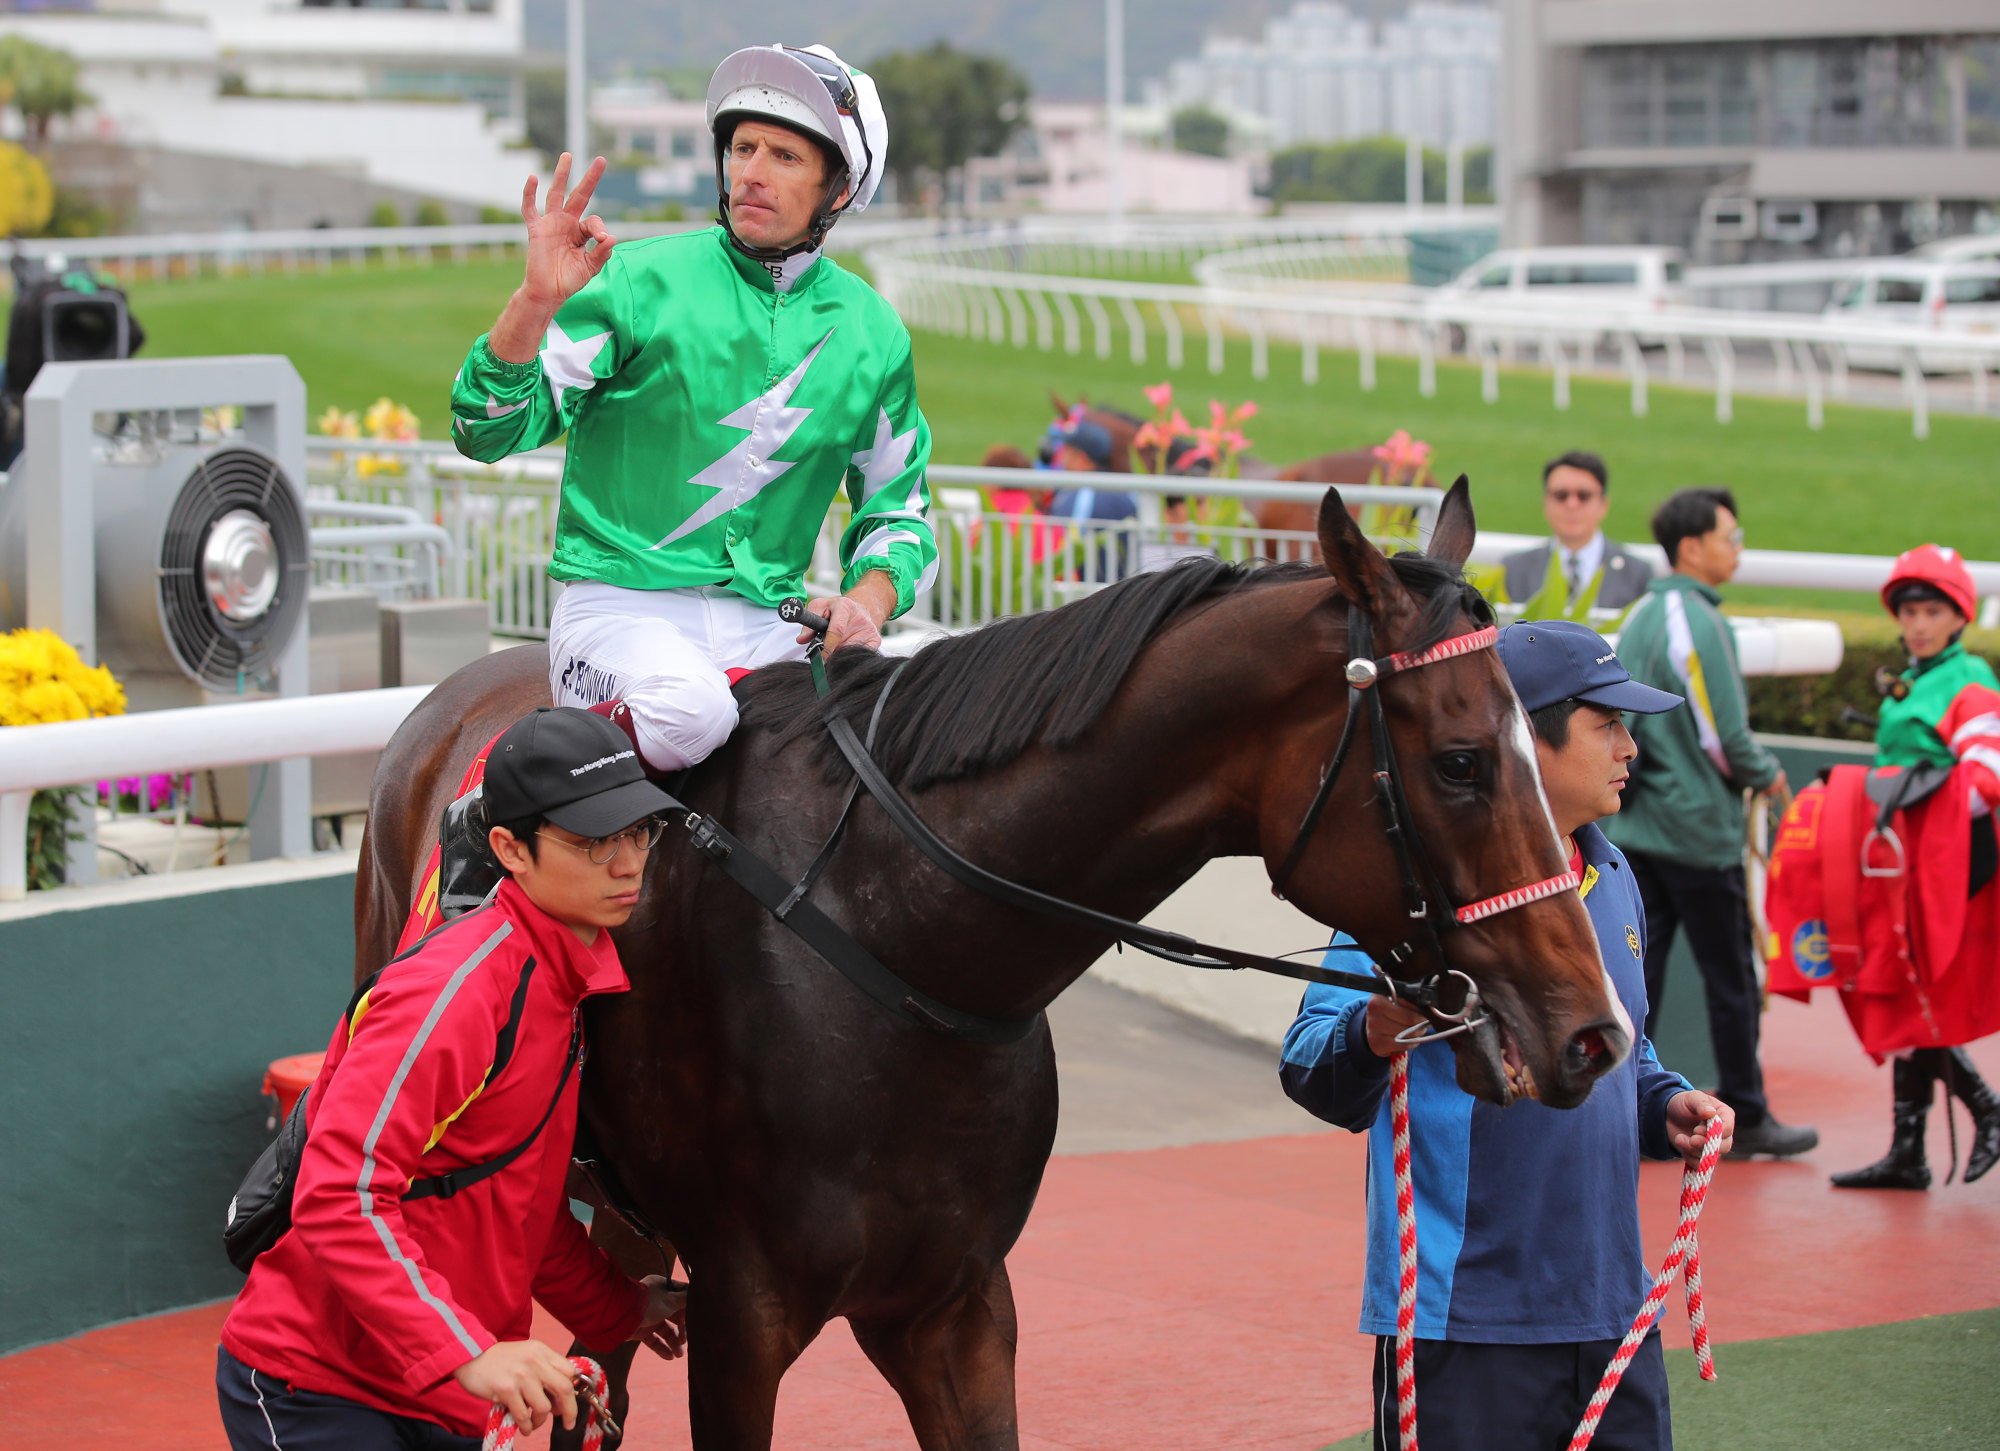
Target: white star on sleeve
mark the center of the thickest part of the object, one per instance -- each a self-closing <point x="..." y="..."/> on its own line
<point x="887" y="460"/>
<point x="566" y="361"/>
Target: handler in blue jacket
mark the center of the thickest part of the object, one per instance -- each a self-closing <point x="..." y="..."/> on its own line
<point x="1529" y="1264"/>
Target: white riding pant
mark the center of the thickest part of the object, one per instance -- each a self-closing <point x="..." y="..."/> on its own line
<point x="665" y="653"/>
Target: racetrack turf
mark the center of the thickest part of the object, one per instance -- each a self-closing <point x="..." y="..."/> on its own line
<point x="1862" y="484"/>
<point x="1907" y="1386"/>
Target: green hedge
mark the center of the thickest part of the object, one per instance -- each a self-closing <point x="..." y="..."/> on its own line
<point x="1811" y="705"/>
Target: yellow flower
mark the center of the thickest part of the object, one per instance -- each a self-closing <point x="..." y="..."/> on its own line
<point x="42" y="680"/>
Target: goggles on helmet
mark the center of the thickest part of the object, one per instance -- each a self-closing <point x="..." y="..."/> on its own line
<point x="839" y="84"/>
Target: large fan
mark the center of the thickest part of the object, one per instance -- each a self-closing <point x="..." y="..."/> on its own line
<point x="202" y="563"/>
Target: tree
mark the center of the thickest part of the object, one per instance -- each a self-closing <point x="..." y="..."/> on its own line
<point x="384" y="214"/>
<point x="1201" y="131"/>
<point x="41" y="83"/>
<point x="546" y="119"/>
<point x="1370" y="170"/>
<point x="431" y="213"/>
<point x="945" y="107"/>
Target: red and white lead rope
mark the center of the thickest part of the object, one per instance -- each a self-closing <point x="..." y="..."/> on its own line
<point x="1406" y="1250"/>
<point x="1683" y="1258"/>
<point x="591" y="1391"/>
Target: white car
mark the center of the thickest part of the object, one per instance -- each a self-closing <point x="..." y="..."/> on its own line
<point x="1973" y="247"/>
<point x="1591" y="288"/>
<point x="1906" y="292"/>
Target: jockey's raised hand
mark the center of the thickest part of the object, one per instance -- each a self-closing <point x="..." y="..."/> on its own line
<point x="567" y="246"/>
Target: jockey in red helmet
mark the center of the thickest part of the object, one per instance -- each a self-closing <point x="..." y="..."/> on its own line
<point x="1943" y="713"/>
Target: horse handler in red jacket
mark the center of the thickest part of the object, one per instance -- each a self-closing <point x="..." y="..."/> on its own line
<point x="384" y="1324"/>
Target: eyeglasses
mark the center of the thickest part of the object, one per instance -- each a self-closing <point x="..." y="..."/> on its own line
<point x="1735" y="538"/>
<point x="1574" y="496"/>
<point x="603" y="850"/>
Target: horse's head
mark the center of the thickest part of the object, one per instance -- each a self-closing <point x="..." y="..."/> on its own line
<point x="1462" y="787"/>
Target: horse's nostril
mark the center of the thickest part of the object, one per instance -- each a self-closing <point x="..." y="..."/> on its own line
<point x="1590" y="1053"/>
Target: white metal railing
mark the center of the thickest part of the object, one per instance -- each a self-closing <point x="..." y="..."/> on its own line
<point x="499" y="523"/>
<point x="33" y="758"/>
<point x="191" y="254"/>
<point x="387" y="549"/>
<point x="966" y="286"/>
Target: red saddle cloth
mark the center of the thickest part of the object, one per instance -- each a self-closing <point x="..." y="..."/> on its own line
<point x="425" y="917"/>
<point x="1883" y="918"/>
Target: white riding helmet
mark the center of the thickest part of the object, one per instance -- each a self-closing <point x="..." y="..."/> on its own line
<point x="813" y="91"/>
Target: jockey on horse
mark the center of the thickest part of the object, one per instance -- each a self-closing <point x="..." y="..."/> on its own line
<point x="717" y="387"/>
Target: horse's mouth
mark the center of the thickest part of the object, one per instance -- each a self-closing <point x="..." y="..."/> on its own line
<point x="1491" y="1065"/>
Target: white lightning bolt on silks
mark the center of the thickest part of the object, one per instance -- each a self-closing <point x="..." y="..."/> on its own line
<point x="770" y="423"/>
<point x="880" y="465"/>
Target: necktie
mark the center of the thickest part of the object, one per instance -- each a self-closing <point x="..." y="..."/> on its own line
<point x="1574" y="570"/>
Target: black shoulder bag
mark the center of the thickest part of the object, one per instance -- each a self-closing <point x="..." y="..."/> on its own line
<point x="260" y="1212"/>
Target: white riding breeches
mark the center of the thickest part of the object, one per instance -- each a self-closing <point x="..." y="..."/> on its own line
<point x="665" y="652"/>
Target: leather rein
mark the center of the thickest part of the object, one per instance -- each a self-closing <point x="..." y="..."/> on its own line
<point x="790" y="904"/>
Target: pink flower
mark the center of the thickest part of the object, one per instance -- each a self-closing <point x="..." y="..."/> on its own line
<point x="1160" y="395"/>
<point x="1401" y="455"/>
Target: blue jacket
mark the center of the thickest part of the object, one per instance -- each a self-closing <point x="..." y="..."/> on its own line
<point x="1527" y="1217"/>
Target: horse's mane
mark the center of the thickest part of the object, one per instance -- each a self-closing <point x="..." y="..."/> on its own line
<point x="974" y="702"/>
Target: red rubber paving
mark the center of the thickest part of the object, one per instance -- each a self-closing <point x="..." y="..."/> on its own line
<point x="1204" y="1297"/>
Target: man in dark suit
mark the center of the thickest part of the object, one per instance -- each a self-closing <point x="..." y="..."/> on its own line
<point x="1576" y="492"/>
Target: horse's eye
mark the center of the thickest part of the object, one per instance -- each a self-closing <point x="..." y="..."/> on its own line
<point x="1459" y="767"/>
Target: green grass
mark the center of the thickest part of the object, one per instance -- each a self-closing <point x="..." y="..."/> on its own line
<point x="1910" y="1386"/>
<point x="1861" y="484"/>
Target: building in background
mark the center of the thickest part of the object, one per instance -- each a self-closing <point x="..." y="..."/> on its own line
<point x="658" y="145"/>
<point x="1060" y="162"/>
<point x="1322" y="73"/>
<point x="395" y="103"/>
<point x="1774" y="129"/>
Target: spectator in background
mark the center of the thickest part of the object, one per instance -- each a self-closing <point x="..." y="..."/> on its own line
<point x="1020" y="502"/>
<point x="1576" y="495"/>
<point x="1088" y="447"/>
<point x="1682" y="828"/>
<point x="1531" y="1264"/>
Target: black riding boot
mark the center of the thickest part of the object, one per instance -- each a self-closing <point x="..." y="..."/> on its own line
<point x="1903" y="1167"/>
<point x="467" y="871"/>
<point x="1962" y="1081"/>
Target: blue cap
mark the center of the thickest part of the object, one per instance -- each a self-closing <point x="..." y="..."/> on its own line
<point x="1552" y="660"/>
<point x="1093" y="440"/>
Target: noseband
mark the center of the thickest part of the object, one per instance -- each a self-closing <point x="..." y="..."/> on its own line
<point x="1425" y="898"/>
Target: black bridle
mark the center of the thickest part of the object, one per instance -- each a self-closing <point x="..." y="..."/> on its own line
<point x="1425" y="895"/>
<point x="1426" y="900"/>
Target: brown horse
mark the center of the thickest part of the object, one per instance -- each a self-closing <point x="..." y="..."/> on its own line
<point x="812" y="1155"/>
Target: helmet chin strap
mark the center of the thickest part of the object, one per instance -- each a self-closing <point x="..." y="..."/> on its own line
<point x="824" y="216"/>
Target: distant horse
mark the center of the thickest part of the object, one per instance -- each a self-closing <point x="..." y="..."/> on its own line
<point x="812" y="1155"/>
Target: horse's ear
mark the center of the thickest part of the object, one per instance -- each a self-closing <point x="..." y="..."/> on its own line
<point x="1056" y="402"/>
<point x="1452" y="539"/>
<point x="1360" y="570"/>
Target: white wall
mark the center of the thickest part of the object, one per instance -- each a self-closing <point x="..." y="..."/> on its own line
<point x="448" y="150"/>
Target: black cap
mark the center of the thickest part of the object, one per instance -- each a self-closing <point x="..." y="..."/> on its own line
<point x="576" y="769"/>
<point x="1552" y="660"/>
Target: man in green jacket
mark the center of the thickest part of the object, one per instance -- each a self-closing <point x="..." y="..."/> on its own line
<point x="1682" y="826"/>
<point x="718" y="388"/>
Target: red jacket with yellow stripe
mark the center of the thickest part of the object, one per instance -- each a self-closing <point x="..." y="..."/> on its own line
<point x="379" y="1300"/>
